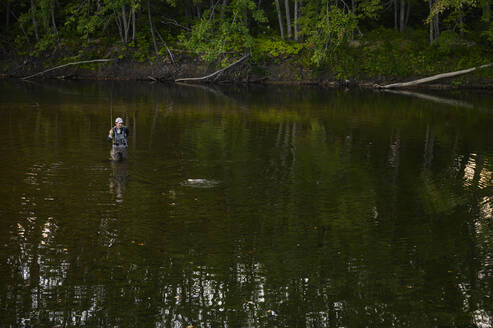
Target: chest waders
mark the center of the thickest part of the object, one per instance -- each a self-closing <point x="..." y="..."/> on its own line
<point x="119" y="151"/>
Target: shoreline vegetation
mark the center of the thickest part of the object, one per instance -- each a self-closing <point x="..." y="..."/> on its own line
<point x="365" y="43"/>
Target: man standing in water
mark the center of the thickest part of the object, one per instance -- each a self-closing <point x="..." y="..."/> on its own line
<point x="118" y="134"/>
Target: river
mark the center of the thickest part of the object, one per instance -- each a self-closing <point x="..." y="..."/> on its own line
<point x="259" y="206"/>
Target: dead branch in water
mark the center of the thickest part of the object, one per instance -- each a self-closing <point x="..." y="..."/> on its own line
<point x="433" y="78"/>
<point x="213" y="74"/>
<point x="61" y="66"/>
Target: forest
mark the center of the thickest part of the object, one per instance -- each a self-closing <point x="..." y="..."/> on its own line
<point x="345" y="39"/>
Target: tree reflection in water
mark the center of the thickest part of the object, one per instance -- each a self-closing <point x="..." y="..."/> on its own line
<point x="333" y="209"/>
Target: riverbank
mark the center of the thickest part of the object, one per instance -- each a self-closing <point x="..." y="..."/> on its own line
<point x="267" y="70"/>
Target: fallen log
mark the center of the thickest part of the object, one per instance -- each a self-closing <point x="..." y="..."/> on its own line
<point x="188" y="79"/>
<point x="65" y="65"/>
<point x="432" y="78"/>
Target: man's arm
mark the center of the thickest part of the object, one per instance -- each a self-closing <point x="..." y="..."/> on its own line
<point x="110" y="135"/>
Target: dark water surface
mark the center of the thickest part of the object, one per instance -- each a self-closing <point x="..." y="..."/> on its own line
<point x="244" y="207"/>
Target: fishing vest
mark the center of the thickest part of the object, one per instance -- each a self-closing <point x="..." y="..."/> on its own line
<point x="120" y="138"/>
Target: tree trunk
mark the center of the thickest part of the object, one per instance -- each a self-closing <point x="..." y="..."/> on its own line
<point x="395" y="16"/>
<point x="151" y="27"/>
<point x="7" y="14"/>
<point x="199" y="13"/>
<point x="69" y="64"/>
<point x="288" y="19"/>
<point x="296" y="20"/>
<point x="134" y="26"/>
<point x="188" y="10"/>
<point x="119" y="25"/>
<point x="55" y="30"/>
<point x="485" y="6"/>
<point x="352" y="12"/>
<point x="408" y="12"/>
<point x="223" y="8"/>
<point x="33" y="17"/>
<point x="431" y="34"/>
<point x="402" y="26"/>
<point x="164" y="43"/>
<point x="125" y="24"/>
<point x="434" y="23"/>
<point x="279" y="17"/>
<point x="212" y="10"/>
<point x="245" y="16"/>
<point x="300" y="14"/>
<point x="436" y="27"/>
<point x="205" y="78"/>
<point x="434" y="77"/>
<point x="461" y="23"/>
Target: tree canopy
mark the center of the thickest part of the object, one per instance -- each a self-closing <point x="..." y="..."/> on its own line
<point x="216" y="30"/>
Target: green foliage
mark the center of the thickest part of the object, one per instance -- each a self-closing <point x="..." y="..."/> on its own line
<point x="399" y="56"/>
<point x="488" y="34"/>
<point x="331" y="27"/>
<point x="45" y="43"/>
<point x="331" y="30"/>
<point x="141" y="53"/>
<point x="218" y="31"/>
<point x="370" y="8"/>
<point x="83" y="20"/>
<point x="213" y="38"/>
<point x="21" y="42"/>
<point x="275" y="47"/>
<point x="448" y="42"/>
<point x="441" y="6"/>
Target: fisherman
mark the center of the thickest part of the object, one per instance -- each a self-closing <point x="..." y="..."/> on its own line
<point x="118" y="135"/>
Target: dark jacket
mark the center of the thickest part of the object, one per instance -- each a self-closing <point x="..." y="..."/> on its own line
<point x="119" y="139"/>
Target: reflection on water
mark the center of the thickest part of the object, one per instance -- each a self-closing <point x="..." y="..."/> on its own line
<point x="118" y="181"/>
<point x="265" y="207"/>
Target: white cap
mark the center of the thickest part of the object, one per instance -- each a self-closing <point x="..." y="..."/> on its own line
<point x="118" y="120"/>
